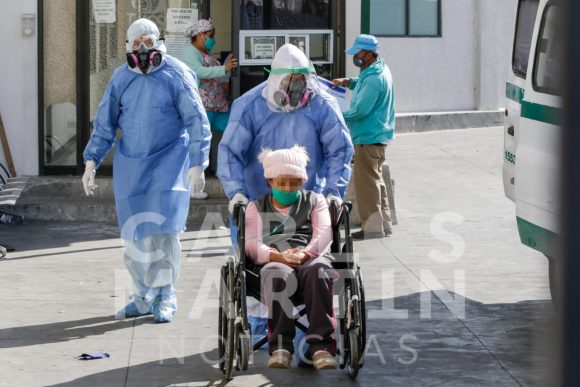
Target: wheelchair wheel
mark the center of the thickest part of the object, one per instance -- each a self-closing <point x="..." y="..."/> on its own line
<point x="353" y="361"/>
<point x="222" y="320"/>
<point x="226" y="322"/>
<point x="352" y="334"/>
<point x="363" y="319"/>
<point x="244" y="342"/>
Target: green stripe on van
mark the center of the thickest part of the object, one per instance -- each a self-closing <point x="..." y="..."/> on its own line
<point x="514" y="92"/>
<point x="542" y="113"/>
<point x="538" y="238"/>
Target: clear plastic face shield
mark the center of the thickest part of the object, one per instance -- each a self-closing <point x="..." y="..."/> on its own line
<point x="290" y="89"/>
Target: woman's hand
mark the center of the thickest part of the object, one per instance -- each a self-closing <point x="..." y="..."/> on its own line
<point x="291" y="257"/>
<point x="231" y="62"/>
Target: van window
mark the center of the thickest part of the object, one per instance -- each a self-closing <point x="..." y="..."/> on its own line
<point x="527" y="10"/>
<point x="548" y="61"/>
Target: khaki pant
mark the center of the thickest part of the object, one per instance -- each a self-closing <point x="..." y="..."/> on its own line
<point x="370" y="188"/>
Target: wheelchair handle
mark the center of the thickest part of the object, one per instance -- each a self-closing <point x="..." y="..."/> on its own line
<point x="237" y="211"/>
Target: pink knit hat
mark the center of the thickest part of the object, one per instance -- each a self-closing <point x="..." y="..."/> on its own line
<point x="290" y="162"/>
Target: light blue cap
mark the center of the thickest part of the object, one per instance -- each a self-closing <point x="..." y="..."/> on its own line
<point x="363" y="42"/>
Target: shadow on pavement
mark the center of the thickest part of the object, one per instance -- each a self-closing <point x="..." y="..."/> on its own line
<point x="65" y="331"/>
<point x="504" y="344"/>
<point x="38" y="236"/>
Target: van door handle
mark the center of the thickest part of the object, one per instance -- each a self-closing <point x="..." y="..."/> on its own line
<point x="511" y="130"/>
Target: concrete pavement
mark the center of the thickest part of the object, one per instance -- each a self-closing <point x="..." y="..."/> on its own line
<point x="453" y="297"/>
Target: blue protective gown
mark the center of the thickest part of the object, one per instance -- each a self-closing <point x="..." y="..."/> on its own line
<point x="319" y="127"/>
<point x="165" y="132"/>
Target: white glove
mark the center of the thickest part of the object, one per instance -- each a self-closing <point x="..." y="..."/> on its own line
<point x="330" y="197"/>
<point x="89" y="177"/>
<point x="196" y="179"/>
<point x="238" y="198"/>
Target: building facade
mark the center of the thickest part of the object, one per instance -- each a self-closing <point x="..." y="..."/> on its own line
<point x="445" y="55"/>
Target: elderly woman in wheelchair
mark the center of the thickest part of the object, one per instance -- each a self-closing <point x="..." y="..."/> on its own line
<point x="283" y="259"/>
<point x="288" y="233"/>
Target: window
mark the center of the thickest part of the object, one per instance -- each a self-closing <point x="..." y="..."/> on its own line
<point x="401" y="17"/>
<point x="527" y="10"/>
<point x="260" y="46"/>
<point x="548" y="60"/>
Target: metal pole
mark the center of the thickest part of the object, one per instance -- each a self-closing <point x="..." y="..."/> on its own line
<point x="236" y="25"/>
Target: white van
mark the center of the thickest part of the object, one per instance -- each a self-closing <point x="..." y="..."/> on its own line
<point x="531" y="166"/>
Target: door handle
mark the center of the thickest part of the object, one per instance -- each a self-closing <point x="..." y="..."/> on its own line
<point x="511" y="130"/>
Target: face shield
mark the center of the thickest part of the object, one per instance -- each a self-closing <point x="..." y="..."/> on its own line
<point x="290" y="89"/>
<point x="144" y="46"/>
<point x="143" y="33"/>
<point x="292" y="81"/>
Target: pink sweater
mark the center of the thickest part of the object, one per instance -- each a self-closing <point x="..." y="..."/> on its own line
<point x="321" y="232"/>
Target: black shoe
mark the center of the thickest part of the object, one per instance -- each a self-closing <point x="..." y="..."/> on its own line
<point x="388" y="233"/>
<point x="367" y="235"/>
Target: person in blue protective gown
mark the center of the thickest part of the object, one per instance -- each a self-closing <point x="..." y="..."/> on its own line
<point x="288" y="109"/>
<point x="159" y="162"/>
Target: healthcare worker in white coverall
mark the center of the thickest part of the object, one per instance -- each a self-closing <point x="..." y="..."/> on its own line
<point x="288" y="109"/>
<point x="160" y="159"/>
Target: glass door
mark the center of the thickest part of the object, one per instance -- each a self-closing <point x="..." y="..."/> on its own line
<point x="58" y="87"/>
<point x="82" y="43"/>
<point x="108" y="24"/>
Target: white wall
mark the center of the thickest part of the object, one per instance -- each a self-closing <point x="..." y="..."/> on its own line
<point x="19" y="86"/>
<point x="465" y="69"/>
<point x="497" y="19"/>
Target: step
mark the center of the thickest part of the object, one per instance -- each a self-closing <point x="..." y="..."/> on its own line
<point x="425" y="122"/>
<point x="47" y="209"/>
<point x="62" y="199"/>
<point x="71" y="187"/>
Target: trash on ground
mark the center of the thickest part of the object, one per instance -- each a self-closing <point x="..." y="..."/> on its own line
<point x="93" y="356"/>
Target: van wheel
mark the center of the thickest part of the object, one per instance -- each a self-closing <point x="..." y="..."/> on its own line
<point x="555" y="282"/>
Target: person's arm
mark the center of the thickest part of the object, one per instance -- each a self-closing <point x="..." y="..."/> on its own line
<point x="337" y="150"/>
<point x="195" y="120"/>
<point x="256" y="250"/>
<point x="352" y="83"/>
<point x="364" y="101"/>
<point x="105" y="126"/>
<point x="194" y="60"/>
<point x="321" y="229"/>
<point x="233" y="151"/>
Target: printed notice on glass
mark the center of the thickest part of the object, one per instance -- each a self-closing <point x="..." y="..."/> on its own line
<point x="178" y="19"/>
<point x="105" y="11"/>
<point x="175" y="43"/>
<point x="263" y="47"/>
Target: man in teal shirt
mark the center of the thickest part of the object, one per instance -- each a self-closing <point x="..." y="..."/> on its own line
<point x="371" y="120"/>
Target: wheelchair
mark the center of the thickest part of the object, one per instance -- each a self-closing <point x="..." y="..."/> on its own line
<point x="239" y="280"/>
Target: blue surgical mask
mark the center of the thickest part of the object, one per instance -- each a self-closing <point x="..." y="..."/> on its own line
<point x="209" y="44"/>
<point x="286" y="198"/>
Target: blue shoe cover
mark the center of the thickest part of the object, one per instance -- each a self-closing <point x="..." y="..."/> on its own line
<point x="133" y="309"/>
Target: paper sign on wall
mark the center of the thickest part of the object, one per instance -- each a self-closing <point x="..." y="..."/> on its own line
<point x="263" y="47"/>
<point x="105" y="11"/>
<point x="178" y="19"/>
<point x="177" y="22"/>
